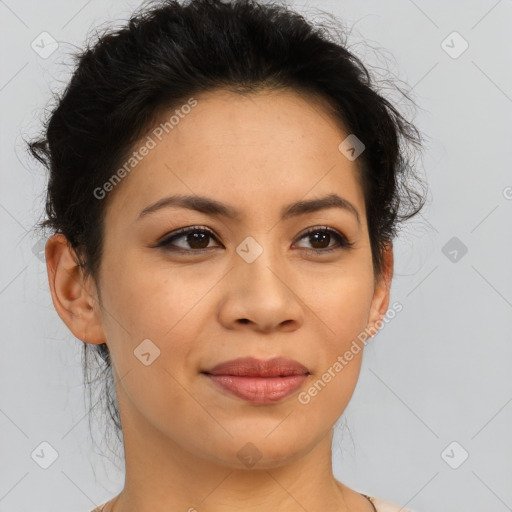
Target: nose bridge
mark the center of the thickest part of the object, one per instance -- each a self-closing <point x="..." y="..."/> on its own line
<point x="259" y="264"/>
<point x="259" y="291"/>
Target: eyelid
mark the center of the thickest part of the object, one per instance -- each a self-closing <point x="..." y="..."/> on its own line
<point x="182" y="232"/>
<point x="343" y="242"/>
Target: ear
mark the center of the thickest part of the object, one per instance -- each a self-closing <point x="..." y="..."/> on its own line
<point x="380" y="301"/>
<point x="74" y="298"/>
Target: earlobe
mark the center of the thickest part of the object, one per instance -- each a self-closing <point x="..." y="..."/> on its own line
<point x="380" y="301"/>
<point x="71" y="294"/>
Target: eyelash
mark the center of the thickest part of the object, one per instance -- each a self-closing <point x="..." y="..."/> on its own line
<point x="343" y="242"/>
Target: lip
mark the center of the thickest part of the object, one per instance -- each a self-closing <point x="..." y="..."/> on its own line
<point x="257" y="380"/>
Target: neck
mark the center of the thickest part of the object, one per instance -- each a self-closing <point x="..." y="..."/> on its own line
<point x="163" y="476"/>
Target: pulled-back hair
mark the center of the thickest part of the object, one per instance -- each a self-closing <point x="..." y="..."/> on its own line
<point x="170" y="51"/>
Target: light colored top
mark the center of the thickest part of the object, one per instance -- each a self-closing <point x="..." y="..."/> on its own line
<point x="379" y="504"/>
<point x="385" y="506"/>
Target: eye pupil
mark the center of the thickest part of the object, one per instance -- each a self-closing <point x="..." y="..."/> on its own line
<point x="196" y="240"/>
<point x="320" y="234"/>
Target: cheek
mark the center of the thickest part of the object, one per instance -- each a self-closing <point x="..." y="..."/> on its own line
<point x="325" y="398"/>
<point x="156" y="316"/>
<point x="151" y="301"/>
<point x="345" y="311"/>
<point x="149" y="320"/>
<point x="343" y="304"/>
<point x="344" y="308"/>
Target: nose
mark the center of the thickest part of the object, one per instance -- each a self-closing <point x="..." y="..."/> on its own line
<point x="263" y="296"/>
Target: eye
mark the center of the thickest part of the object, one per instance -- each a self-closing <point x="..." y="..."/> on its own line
<point x="196" y="237"/>
<point x="322" y="235"/>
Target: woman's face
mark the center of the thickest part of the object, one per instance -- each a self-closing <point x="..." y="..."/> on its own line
<point x="258" y="286"/>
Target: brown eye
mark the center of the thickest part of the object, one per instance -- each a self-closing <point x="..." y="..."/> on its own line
<point x="195" y="239"/>
<point x="321" y="237"/>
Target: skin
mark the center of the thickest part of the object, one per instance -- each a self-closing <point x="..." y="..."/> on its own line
<point x="256" y="153"/>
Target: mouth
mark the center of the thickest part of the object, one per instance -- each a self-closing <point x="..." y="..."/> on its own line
<point x="259" y="381"/>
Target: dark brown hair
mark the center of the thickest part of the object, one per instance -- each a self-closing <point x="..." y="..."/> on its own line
<point x="170" y="51"/>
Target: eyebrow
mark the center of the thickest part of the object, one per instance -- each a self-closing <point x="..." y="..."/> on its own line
<point x="217" y="209"/>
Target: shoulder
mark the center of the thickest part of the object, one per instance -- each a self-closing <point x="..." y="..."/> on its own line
<point x="386" y="506"/>
<point x="99" y="508"/>
<point x="354" y="499"/>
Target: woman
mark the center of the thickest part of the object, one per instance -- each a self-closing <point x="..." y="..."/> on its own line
<point x="225" y="186"/>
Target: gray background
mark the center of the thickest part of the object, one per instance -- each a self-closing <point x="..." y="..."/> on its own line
<point x="438" y="373"/>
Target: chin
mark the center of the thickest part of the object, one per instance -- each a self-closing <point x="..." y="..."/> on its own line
<point x="244" y="452"/>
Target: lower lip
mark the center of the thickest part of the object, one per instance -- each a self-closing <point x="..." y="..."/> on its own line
<point x="261" y="390"/>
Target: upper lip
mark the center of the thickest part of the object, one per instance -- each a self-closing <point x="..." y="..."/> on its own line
<point x="252" y="367"/>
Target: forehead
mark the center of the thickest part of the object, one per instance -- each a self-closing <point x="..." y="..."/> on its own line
<point x="261" y="149"/>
